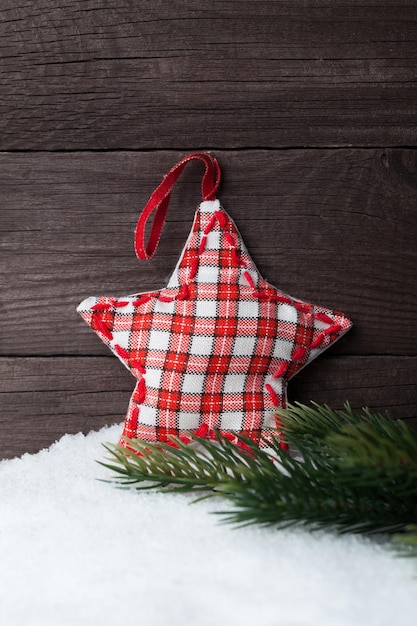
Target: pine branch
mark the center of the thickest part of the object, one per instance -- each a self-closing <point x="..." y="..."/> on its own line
<point x="204" y="465"/>
<point x="370" y="439"/>
<point x="358" y="473"/>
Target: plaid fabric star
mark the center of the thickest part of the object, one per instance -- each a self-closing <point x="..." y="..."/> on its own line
<point x="217" y="346"/>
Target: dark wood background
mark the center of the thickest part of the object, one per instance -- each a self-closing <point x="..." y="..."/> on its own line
<point x="310" y="107"/>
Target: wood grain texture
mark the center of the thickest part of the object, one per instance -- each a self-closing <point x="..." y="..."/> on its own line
<point x="84" y="74"/>
<point x="334" y="227"/>
<point x="98" y="99"/>
<point x="48" y="397"/>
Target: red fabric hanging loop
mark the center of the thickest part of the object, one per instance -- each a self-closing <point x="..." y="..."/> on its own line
<point x="159" y="201"/>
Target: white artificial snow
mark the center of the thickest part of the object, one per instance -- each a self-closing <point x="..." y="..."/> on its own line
<point x="76" y="551"/>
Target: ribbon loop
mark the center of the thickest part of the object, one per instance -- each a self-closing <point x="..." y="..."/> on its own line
<point x="159" y="201"/>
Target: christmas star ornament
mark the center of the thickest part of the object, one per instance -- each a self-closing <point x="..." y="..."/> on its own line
<point x="216" y="347"/>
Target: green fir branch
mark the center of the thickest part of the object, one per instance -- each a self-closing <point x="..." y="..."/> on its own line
<point x="354" y="472"/>
<point x="204" y="465"/>
<point x="362" y="438"/>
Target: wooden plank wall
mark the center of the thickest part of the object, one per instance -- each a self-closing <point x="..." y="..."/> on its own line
<point x="310" y="106"/>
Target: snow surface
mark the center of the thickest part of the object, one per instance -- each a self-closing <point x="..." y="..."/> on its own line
<point x="76" y="551"/>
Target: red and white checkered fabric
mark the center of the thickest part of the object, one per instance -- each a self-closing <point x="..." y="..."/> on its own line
<point x="217" y="346"/>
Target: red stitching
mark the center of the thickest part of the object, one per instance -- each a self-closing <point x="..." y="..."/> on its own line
<point x="261" y="295"/>
<point x="249" y="279"/>
<point x="166" y="299"/>
<point x="335" y="328"/>
<point x="205" y="432"/>
<point x="264" y="295"/>
<point x="137" y="365"/>
<point x="101" y="307"/>
<point x="124" y="354"/>
<point x="229" y="436"/>
<point x="202" y="431"/>
<point x="210" y="225"/>
<point x="318" y="340"/>
<point x="283" y="299"/>
<point x="228" y="237"/>
<point x="323" y="317"/>
<point x="302" y="306"/>
<point x="102" y="328"/>
<point x="141" y="300"/>
<point x="193" y="269"/>
<point x="299" y="353"/>
<point x="272" y="394"/>
<point x="280" y="371"/>
<point x="202" y="245"/>
<point x="235" y="256"/>
<point x="141" y="391"/>
<point x="133" y="422"/>
<point x="120" y="304"/>
<point x="184" y="293"/>
<point x="221" y="218"/>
